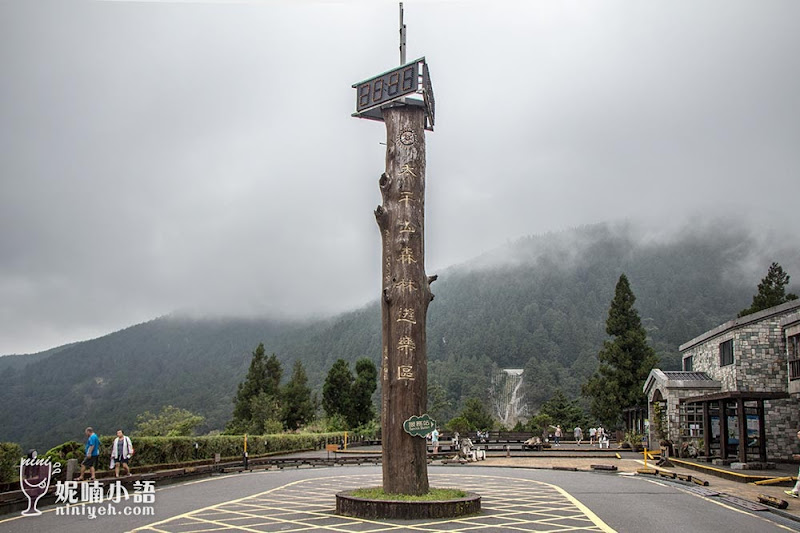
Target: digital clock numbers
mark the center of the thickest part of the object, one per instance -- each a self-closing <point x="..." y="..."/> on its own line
<point x="386" y="87"/>
<point x="392" y="85"/>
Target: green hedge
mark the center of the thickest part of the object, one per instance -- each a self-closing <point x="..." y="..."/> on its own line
<point x="164" y="450"/>
<point x="10" y="454"/>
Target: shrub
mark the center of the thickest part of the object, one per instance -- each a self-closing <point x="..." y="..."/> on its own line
<point x="336" y="423"/>
<point x="369" y="429"/>
<point x="64" y="452"/>
<point x="459" y="424"/>
<point x="161" y="450"/>
<point x="10" y="455"/>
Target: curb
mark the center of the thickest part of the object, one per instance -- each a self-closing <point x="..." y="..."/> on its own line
<point x="778" y="512"/>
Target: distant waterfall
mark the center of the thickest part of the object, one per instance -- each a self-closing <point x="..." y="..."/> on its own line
<point x="506" y="397"/>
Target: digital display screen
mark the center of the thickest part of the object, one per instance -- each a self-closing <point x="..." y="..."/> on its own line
<point x="387" y="87"/>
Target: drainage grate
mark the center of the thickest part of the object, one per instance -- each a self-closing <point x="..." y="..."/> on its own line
<point x="750" y="506"/>
<point x="702" y="491"/>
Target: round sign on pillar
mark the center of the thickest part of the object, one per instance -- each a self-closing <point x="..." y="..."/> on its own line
<point x="419" y="426"/>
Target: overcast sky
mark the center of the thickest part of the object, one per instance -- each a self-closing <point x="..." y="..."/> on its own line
<point x="200" y="156"/>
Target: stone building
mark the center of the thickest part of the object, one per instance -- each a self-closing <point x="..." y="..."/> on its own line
<point x="738" y="397"/>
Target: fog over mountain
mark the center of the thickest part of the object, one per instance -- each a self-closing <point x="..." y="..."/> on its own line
<point x="538" y="303"/>
<point x="200" y="157"/>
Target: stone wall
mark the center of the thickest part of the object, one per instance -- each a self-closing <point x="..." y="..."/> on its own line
<point x="671" y="390"/>
<point x="705" y="358"/>
<point x="762" y="357"/>
<point x="759" y="358"/>
<point x="673" y="398"/>
<point x="782" y="423"/>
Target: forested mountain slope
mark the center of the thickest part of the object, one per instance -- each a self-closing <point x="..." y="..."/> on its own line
<point x="538" y="303"/>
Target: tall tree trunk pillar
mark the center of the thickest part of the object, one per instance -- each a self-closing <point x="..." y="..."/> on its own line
<point x="405" y="299"/>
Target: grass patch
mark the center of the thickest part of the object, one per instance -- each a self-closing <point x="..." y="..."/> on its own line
<point x="376" y="493"/>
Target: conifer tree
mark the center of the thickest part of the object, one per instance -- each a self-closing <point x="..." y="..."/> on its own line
<point x="362" y="410"/>
<point x="771" y="291"/>
<point x="253" y="383"/>
<point x="298" y="407"/>
<point x="625" y="361"/>
<point x="273" y="374"/>
<point x="477" y="415"/>
<point x="336" y="390"/>
<point x="257" y="398"/>
<point x="563" y="411"/>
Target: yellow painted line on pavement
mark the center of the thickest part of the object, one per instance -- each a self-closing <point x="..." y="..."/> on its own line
<point x="721" y="504"/>
<point x="195" y="515"/>
<point x="585" y="510"/>
<point x="186" y="514"/>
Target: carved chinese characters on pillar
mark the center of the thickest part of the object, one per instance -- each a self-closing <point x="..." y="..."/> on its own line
<point x="406" y="295"/>
<point x="406" y="314"/>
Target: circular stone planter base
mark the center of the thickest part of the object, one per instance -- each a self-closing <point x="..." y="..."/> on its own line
<point x="349" y="505"/>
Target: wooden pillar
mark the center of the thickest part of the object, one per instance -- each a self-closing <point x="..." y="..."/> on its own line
<point x="404" y="305"/>
<point x="707" y="434"/>
<point x="723" y="429"/>
<point x="742" y="430"/>
<point x="762" y="433"/>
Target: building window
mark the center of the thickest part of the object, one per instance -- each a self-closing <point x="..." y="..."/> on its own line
<point x="687" y="364"/>
<point x="793" y="352"/>
<point x="726" y="353"/>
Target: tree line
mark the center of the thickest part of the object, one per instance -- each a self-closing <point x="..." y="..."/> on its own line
<point x="262" y="405"/>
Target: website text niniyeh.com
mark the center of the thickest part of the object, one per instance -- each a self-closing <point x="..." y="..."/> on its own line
<point x="93" y="511"/>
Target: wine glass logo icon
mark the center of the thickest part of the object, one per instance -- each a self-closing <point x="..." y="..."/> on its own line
<point x="34" y="480"/>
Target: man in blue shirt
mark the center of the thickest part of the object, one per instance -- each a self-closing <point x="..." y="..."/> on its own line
<point x="92" y="451"/>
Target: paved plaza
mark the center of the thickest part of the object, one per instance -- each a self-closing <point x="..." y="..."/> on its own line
<point x="507" y="505"/>
<point x="513" y="499"/>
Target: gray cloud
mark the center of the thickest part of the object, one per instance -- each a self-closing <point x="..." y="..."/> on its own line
<point x="200" y="156"/>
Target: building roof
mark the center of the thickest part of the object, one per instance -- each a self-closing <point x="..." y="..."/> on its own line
<point x="679" y="380"/>
<point x="736" y="323"/>
<point x="686" y="376"/>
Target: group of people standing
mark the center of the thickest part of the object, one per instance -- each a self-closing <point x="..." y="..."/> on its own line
<point x="121" y="453"/>
<point x="598" y="434"/>
<point x="595" y="434"/>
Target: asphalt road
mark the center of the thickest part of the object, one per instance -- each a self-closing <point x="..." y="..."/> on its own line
<point x="296" y="498"/>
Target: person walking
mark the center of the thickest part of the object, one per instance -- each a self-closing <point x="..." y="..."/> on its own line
<point x="558" y="435"/>
<point x="435" y="440"/>
<point x="602" y="437"/>
<point x="121" y="452"/>
<point x="795" y="492"/>
<point x="592" y="434"/>
<point x="92" y="452"/>
<point x="578" y="434"/>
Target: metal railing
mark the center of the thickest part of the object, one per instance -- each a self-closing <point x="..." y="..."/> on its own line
<point x="794" y="369"/>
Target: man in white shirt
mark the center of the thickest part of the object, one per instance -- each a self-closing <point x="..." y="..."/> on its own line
<point x="121" y="452"/>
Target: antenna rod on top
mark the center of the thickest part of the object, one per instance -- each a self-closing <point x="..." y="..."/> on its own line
<point x="402" y="37"/>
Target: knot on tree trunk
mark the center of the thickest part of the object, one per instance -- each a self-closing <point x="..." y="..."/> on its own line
<point x="381" y="217"/>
